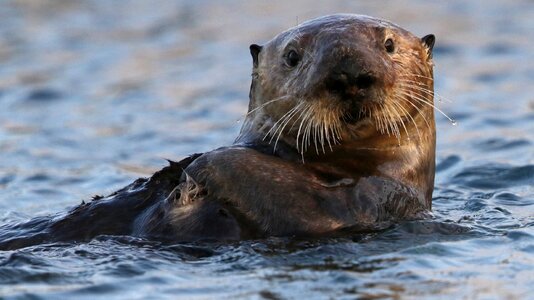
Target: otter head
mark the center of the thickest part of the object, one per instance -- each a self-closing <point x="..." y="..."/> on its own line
<point x="341" y="80"/>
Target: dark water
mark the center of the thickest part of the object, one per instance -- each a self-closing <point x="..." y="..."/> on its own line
<point x="96" y="93"/>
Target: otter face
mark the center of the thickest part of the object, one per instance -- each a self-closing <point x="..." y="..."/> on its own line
<point x="336" y="77"/>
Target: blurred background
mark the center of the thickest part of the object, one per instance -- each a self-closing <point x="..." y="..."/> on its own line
<point x="96" y="93"/>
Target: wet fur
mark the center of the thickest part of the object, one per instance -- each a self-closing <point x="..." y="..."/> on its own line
<point x="123" y="212"/>
<point x="298" y="166"/>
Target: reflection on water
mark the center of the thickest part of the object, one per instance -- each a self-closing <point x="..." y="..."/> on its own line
<point x="96" y="93"/>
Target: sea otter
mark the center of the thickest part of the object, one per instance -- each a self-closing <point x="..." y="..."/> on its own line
<point x="339" y="137"/>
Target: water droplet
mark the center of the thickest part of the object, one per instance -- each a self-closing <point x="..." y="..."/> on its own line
<point x="238" y="121"/>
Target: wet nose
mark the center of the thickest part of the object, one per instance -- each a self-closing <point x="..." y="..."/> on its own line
<point x="349" y="80"/>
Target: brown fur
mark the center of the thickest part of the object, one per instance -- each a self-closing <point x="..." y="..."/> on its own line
<point x="339" y="136"/>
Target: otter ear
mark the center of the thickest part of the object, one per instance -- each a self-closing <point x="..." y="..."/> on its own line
<point x="428" y="41"/>
<point x="255" y="51"/>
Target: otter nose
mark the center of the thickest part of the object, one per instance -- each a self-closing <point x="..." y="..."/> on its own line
<point x="348" y="80"/>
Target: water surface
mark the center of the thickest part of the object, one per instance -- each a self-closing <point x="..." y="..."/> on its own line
<point x="94" y="94"/>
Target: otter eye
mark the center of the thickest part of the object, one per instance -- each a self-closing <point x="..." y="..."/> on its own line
<point x="390" y="47"/>
<point x="292" y="58"/>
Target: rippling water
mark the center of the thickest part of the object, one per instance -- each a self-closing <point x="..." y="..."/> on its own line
<point x="96" y="93"/>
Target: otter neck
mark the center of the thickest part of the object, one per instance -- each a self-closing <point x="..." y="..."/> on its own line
<point x="407" y="159"/>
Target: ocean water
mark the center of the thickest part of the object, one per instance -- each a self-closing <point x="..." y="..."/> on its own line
<point x="94" y="94"/>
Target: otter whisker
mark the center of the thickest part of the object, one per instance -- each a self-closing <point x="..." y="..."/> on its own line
<point x="318" y="135"/>
<point x="387" y="117"/>
<point x="418" y="75"/>
<point x="304" y="114"/>
<point x="327" y="125"/>
<point x="376" y="120"/>
<point x="393" y="123"/>
<point x="379" y="122"/>
<point x="315" y="141"/>
<point x="289" y="118"/>
<point x="420" y="86"/>
<point x="325" y="133"/>
<point x="386" y="121"/>
<point x="332" y="123"/>
<point x="394" y="108"/>
<point x="336" y="127"/>
<point x="425" y="101"/>
<point x="275" y="125"/>
<point x="324" y="125"/>
<point x="258" y="108"/>
<point x="267" y="103"/>
<point x="329" y="135"/>
<point x="302" y="124"/>
<point x="322" y="136"/>
<point x="406" y="113"/>
<point x="425" y="90"/>
<point x="411" y="85"/>
<point x="315" y="127"/>
<point x="284" y="125"/>
<point x="305" y="121"/>
<point x="382" y="119"/>
<point x="384" y="129"/>
<point x="307" y="131"/>
<point x="427" y="93"/>
<point x="408" y="78"/>
<point x="408" y="100"/>
<point x="313" y="124"/>
<point x="302" y="110"/>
